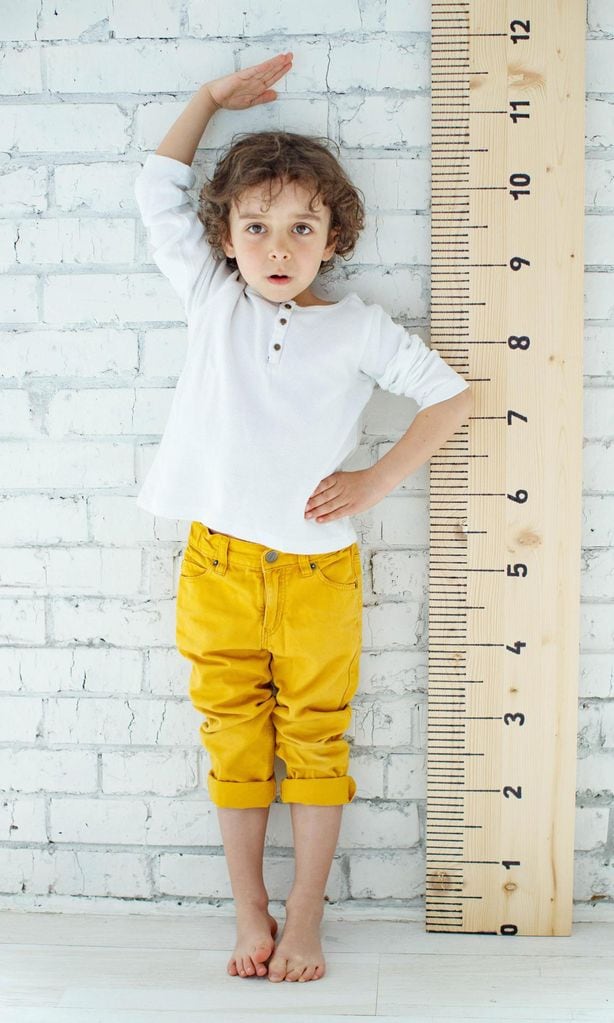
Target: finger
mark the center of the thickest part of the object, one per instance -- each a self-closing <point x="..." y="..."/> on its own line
<point x="327" y="485"/>
<point x="259" y="82"/>
<point x="273" y="63"/>
<point x="323" y="516"/>
<point x="266" y="97"/>
<point x="273" y="76"/>
<point x="316" y="500"/>
<point x="322" y="495"/>
<point x="334" y="504"/>
<point x="267" y="78"/>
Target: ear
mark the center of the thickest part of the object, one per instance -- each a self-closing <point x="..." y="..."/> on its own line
<point x="227" y="245"/>
<point x="330" y="248"/>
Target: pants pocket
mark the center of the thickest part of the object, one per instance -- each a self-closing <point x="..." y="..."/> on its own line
<point x="339" y="570"/>
<point x="196" y="563"/>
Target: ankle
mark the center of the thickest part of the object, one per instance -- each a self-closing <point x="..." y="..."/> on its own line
<point x="305" y="904"/>
<point x="252" y="905"/>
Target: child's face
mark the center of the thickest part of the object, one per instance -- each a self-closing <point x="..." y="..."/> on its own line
<point x="281" y="236"/>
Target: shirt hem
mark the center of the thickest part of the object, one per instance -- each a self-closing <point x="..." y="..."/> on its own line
<point x="263" y="537"/>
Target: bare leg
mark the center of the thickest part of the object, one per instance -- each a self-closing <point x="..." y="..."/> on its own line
<point x="299" y="953"/>
<point x="243" y="833"/>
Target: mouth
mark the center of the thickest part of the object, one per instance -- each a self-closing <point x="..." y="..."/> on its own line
<point x="278" y="278"/>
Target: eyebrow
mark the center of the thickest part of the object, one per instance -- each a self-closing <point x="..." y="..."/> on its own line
<point x="295" y="216"/>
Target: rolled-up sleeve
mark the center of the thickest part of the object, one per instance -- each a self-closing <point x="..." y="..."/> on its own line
<point x="175" y="231"/>
<point x="402" y="363"/>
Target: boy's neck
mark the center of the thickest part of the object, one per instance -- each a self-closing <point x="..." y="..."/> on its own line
<point x="307" y="298"/>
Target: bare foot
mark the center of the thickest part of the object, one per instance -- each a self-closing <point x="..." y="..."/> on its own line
<point x="299" y="953"/>
<point x="256" y="930"/>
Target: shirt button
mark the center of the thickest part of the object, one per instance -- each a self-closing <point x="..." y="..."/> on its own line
<point x="271" y="556"/>
<point x="276" y="347"/>
<point x="287" y="305"/>
<point x="283" y="320"/>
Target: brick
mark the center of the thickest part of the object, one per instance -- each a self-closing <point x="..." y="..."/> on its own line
<point x="22" y="818"/>
<point x="135" y="772"/>
<point x="92" y="620"/>
<point x="20" y="716"/>
<point x="21" y="73"/>
<point x="163" y="353"/>
<point x="591" y="827"/>
<point x="600" y="16"/>
<point x="382" y="121"/>
<point x="596" y="675"/>
<point x="129" y="19"/>
<point x="75" y="570"/>
<point x="72" y="240"/>
<point x="598" y="467"/>
<point x="23" y="190"/>
<point x="152" y="120"/>
<point x="387" y="874"/>
<point x="47" y="770"/>
<point x="22" y="621"/>
<point x="259" y="17"/>
<point x="66" y="464"/>
<point x="69" y="353"/>
<point x="78" y="669"/>
<point x="19" y="21"/>
<point x="385" y="62"/>
<point x="65" y="127"/>
<point x="599" y="70"/>
<point x="89" y="18"/>
<point x="16" y="419"/>
<point x="31" y="518"/>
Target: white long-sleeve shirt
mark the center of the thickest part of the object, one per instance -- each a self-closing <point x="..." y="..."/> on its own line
<point x="270" y="396"/>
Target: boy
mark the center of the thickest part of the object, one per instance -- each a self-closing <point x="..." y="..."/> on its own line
<point x="265" y="409"/>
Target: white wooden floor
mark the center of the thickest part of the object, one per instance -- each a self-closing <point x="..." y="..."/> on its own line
<point x="71" y="968"/>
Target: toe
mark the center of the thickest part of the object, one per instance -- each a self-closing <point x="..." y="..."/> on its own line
<point x="277" y="969"/>
<point x="260" y="962"/>
<point x="307" y="973"/>
<point x="294" y="973"/>
<point x="260" y="956"/>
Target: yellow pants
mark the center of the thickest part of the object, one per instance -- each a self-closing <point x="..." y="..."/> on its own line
<point x="275" y="641"/>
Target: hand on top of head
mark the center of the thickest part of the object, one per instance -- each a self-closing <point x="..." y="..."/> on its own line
<point x="251" y="85"/>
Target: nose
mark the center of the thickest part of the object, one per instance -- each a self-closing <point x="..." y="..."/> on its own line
<point x="279" y="252"/>
<point x="279" y="247"/>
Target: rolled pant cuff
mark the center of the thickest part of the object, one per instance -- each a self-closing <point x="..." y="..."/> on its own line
<point x="318" y="791"/>
<point x="241" y="794"/>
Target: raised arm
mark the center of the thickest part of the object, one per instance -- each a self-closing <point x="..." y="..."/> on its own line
<point x="182" y="139"/>
<point x="237" y="91"/>
<point x="175" y="230"/>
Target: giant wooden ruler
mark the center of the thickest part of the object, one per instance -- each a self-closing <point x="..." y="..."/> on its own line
<point x="505" y="490"/>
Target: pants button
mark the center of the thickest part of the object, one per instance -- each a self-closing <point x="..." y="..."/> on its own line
<point x="271" y="556"/>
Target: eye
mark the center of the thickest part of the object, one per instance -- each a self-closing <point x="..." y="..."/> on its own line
<point x="260" y="225"/>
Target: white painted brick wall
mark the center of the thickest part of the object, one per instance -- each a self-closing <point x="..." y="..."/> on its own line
<point x="101" y="768"/>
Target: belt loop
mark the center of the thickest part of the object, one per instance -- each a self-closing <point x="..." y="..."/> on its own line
<point x="221" y="541"/>
<point x="304" y="561"/>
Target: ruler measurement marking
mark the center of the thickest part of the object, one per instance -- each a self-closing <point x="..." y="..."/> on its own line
<point x="470" y="203"/>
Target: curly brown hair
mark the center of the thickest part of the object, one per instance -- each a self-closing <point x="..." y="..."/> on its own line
<point x="254" y="158"/>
